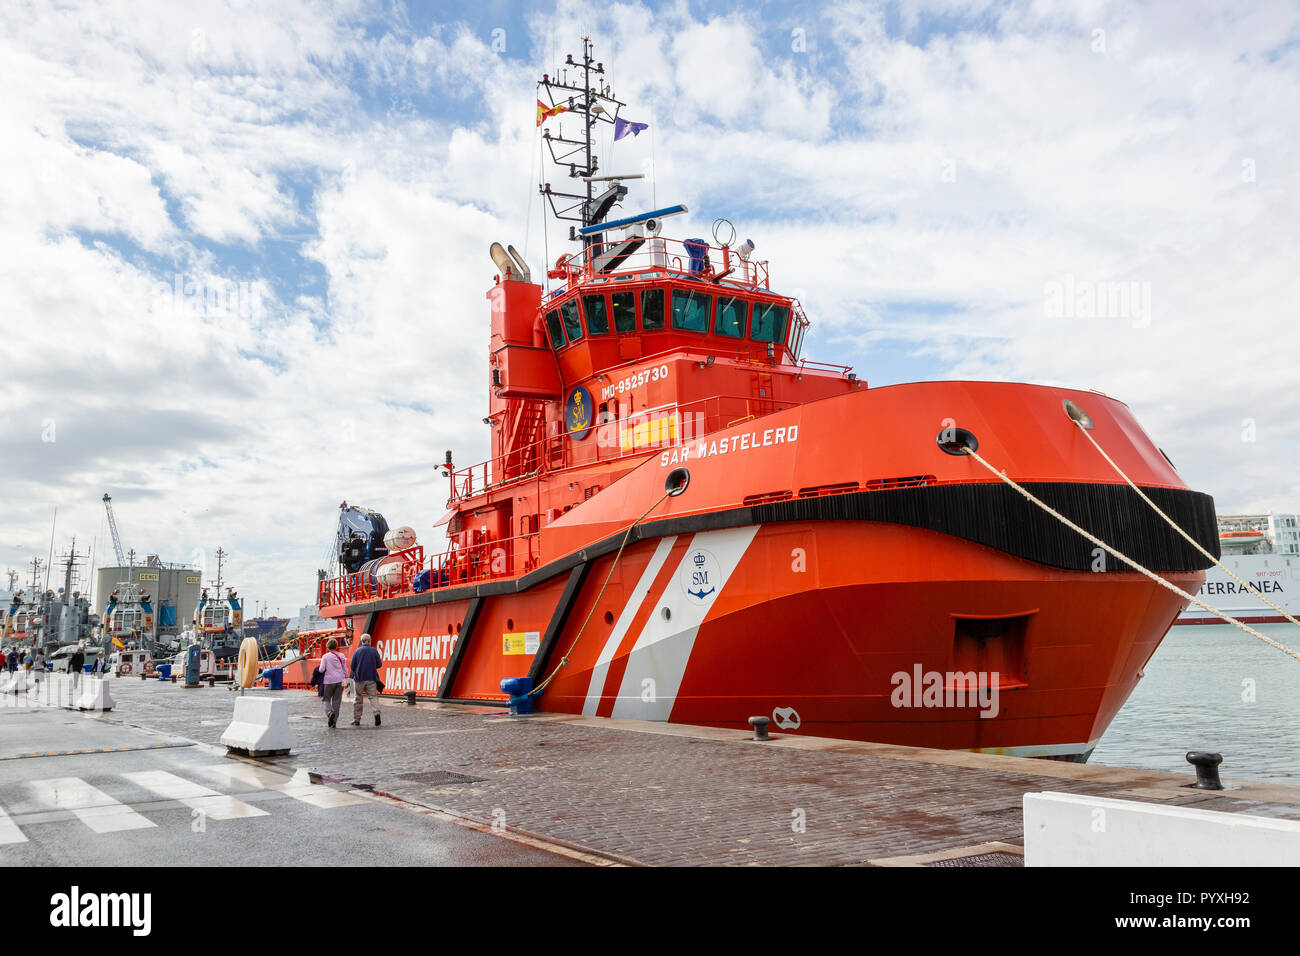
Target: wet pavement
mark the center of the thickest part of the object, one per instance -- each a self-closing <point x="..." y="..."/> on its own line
<point x="144" y="798"/>
<point x="648" y="793"/>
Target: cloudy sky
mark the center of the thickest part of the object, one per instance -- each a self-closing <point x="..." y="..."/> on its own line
<point x="243" y="247"/>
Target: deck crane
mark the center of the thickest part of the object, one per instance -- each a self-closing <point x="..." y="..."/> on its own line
<point x="112" y="527"/>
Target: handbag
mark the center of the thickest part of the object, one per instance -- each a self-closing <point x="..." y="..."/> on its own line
<point x="379" y="685"/>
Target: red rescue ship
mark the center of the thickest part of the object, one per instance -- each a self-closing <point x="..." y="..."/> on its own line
<point x="685" y="520"/>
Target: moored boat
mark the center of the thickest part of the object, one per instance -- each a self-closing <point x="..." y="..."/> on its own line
<point x="683" y="519"/>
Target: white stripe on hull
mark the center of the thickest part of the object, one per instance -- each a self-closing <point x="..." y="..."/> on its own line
<point x="601" y="670"/>
<point x="658" y="660"/>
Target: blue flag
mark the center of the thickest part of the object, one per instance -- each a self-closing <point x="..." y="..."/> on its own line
<point x="622" y="127"/>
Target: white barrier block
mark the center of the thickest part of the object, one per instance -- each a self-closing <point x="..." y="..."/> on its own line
<point x="260" y="726"/>
<point x="1068" y="829"/>
<point x="19" y="683"/>
<point x="95" y="695"/>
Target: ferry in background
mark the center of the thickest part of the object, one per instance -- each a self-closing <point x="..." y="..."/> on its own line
<point x="1263" y="549"/>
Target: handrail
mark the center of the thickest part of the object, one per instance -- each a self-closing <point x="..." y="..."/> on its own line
<point x="655" y="252"/>
<point x="480" y="477"/>
<point x="495" y="559"/>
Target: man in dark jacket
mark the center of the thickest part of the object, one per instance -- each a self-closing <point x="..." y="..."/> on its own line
<point x="76" y="665"/>
<point x="365" y="678"/>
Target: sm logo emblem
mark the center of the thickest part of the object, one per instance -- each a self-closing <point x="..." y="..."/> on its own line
<point x="579" y="413"/>
<point x="701" y="576"/>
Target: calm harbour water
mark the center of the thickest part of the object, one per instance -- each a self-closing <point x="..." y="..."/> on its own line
<point x="1193" y="698"/>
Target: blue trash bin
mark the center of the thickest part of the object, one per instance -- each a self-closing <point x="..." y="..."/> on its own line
<point x="164" y="672"/>
<point x="275" y="678"/>
<point x="87" y="668"/>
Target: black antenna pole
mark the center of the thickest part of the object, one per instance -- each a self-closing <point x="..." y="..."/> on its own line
<point x="586" y="121"/>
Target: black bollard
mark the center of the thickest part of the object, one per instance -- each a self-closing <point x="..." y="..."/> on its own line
<point x="760" y="727"/>
<point x="410" y="696"/>
<point x="1207" y="769"/>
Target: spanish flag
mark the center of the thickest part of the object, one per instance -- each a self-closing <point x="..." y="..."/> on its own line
<point x="545" y="112"/>
<point x="117" y="642"/>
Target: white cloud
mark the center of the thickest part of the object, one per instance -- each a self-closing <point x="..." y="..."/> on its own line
<point x="921" y="190"/>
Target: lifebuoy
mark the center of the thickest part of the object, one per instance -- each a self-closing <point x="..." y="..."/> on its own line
<point x="123" y="669"/>
<point x="149" y="668"/>
<point x="246" y="669"/>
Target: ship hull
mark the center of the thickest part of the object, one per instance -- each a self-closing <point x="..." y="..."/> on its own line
<point x="1273" y="575"/>
<point x="862" y="631"/>
<point x="790" y="581"/>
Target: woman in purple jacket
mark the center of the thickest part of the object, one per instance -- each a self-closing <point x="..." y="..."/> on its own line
<point x="335" y="670"/>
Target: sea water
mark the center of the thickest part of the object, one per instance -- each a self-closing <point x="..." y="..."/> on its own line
<point x="1213" y="687"/>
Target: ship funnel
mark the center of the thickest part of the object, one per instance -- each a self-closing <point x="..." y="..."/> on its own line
<point x="501" y="259"/>
<point x="522" y="270"/>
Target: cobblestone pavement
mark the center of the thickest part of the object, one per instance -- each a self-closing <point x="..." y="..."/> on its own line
<point x="669" y="795"/>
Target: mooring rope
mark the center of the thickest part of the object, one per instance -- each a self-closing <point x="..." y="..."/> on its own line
<point x="564" y="661"/>
<point x="1130" y="562"/>
<point x="1177" y="527"/>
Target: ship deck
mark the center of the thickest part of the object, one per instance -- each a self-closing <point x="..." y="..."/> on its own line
<point x="647" y="793"/>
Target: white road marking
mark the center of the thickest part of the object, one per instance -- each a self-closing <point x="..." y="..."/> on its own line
<point x="218" y="806"/>
<point x="311" y="793"/>
<point x="9" y="832"/>
<point x="92" y="807"/>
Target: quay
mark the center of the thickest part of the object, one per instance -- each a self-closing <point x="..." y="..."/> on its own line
<point x="611" y="791"/>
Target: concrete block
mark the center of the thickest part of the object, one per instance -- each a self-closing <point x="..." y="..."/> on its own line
<point x="260" y="726"/>
<point x="95" y="695"/>
<point x="1066" y="829"/>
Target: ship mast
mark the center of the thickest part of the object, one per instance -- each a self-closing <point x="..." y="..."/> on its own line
<point x="36" y="575"/>
<point x="593" y="104"/>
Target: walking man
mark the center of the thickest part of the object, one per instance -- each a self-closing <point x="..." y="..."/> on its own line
<point x="334" y="671"/>
<point x="76" y="665"/>
<point x="365" y="676"/>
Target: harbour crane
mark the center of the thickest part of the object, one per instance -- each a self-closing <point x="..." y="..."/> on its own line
<point x="112" y="527"/>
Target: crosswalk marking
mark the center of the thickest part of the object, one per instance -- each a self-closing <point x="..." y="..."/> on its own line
<point x="92" y="806"/>
<point x="215" y="805"/>
<point x="9" y="832"/>
<point x="314" y="794"/>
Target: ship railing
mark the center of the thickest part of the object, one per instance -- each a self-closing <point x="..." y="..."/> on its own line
<point x="363" y="586"/>
<point x="495" y="559"/>
<point x="615" y="439"/>
<point x="658" y="254"/>
<point x="486" y="559"/>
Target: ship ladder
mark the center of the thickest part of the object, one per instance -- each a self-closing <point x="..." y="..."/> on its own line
<point x="1169" y="586"/>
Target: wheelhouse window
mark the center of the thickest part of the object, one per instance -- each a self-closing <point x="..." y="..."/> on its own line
<point x="691" y="311"/>
<point x="572" y="324"/>
<point x="555" y="328"/>
<point x="652" y="310"/>
<point x="214" y="616"/>
<point x="597" y="315"/>
<point x="730" y="316"/>
<point x="124" y="619"/>
<point x="624" y="311"/>
<point x="770" y="322"/>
